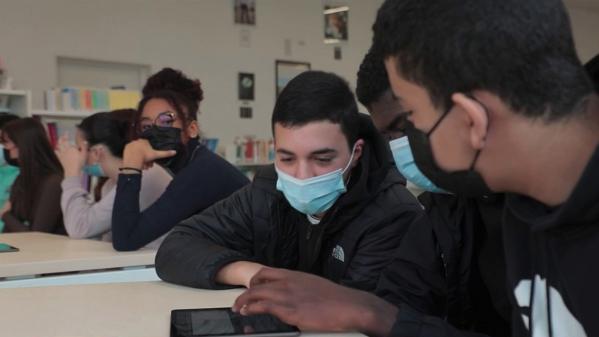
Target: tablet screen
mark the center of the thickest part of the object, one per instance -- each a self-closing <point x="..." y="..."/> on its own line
<point x="224" y="322"/>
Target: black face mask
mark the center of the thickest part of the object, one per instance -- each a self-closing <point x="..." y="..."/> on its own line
<point x="164" y="138"/>
<point x="468" y="183"/>
<point x="9" y="160"/>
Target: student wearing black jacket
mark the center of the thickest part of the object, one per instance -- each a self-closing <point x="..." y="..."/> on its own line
<point x="489" y="109"/>
<point x="468" y="287"/>
<point x="168" y="135"/>
<point x="332" y="205"/>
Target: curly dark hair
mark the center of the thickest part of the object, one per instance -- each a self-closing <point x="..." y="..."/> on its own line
<point x="372" y="79"/>
<point x="183" y="93"/>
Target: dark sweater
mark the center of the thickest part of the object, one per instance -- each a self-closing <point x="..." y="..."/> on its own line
<point x="550" y="267"/>
<point x="206" y="179"/>
<point x="46" y="215"/>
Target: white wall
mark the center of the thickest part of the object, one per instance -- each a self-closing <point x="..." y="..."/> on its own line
<point x="196" y="36"/>
<point x="199" y="37"/>
<point x="585" y="24"/>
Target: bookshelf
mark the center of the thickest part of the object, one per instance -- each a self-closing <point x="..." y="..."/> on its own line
<point x="79" y="114"/>
<point x="17" y="102"/>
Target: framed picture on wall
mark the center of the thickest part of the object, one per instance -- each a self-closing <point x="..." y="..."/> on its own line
<point x="245" y="12"/>
<point x="285" y="71"/>
<point x="335" y="23"/>
<point x="245" y="86"/>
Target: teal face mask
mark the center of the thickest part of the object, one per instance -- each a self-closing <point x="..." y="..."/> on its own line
<point x="94" y="170"/>
<point x="404" y="160"/>
<point x="313" y="195"/>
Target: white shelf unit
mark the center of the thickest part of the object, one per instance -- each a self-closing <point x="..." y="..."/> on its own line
<point x="63" y="114"/>
<point x="17" y="102"/>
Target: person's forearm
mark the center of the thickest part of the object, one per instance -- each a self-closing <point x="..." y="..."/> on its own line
<point x="126" y="213"/>
<point x="238" y="273"/>
<point x="376" y="318"/>
<point x="132" y="158"/>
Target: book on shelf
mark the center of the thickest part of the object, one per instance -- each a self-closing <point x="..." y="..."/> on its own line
<point x="52" y="133"/>
<point x="70" y="99"/>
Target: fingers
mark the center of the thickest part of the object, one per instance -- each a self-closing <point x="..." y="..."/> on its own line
<point x="63" y="141"/>
<point x="284" y="312"/>
<point x="267" y="274"/>
<point x="273" y="291"/>
<point x="84" y="147"/>
<point x="156" y="154"/>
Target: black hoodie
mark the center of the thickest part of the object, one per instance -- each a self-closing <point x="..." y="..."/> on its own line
<point x="551" y="266"/>
<point x="351" y="245"/>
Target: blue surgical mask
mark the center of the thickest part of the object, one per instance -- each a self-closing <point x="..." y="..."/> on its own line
<point x="94" y="170"/>
<point x="313" y="195"/>
<point x="402" y="154"/>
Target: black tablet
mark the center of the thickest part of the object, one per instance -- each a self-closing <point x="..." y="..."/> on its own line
<point x="224" y="322"/>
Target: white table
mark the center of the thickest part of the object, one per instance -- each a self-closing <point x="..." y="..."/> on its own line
<point x="104" y="310"/>
<point x="42" y="253"/>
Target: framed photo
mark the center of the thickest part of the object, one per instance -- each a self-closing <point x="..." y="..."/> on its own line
<point x="335" y="23"/>
<point x="245" y="12"/>
<point x="285" y="71"/>
<point x="245" y="84"/>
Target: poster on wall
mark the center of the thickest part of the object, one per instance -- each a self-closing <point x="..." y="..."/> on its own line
<point x="285" y="71"/>
<point x="245" y="12"/>
<point x="245" y="84"/>
<point x="335" y="23"/>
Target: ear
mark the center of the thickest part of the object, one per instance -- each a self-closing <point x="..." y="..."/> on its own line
<point x="358" y="150"/>
<point x="477" y="116"/>
<point x="193" y="129"/>
<point x="99" y="152"/>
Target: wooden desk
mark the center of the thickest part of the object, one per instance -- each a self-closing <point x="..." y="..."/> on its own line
<point x="104" y="310"/>
<point x="42" y="253"/>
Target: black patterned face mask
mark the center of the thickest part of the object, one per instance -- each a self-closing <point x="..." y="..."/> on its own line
<point x="164" y="138"/>
<point x="468" y="183"/>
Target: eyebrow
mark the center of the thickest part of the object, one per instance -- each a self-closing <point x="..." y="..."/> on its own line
<point x="313" y="153"/>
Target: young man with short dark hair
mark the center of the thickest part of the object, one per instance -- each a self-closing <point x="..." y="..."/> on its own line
<point x="465" y="231"/>
<point x="332" y="204"/>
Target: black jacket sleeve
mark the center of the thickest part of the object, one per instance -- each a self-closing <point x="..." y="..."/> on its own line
<point x="415" y="276"/>
<point x="411" y="323"/>
<point x="372" y="254"/>
<point x="194" y="252"/>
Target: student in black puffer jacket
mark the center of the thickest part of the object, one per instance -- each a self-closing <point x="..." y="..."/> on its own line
<point x="332" y="204"/>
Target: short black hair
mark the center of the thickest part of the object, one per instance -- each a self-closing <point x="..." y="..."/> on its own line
<point x="109" y="128"/>
<point x="372" y="79"/>
<point x="318" y="96"/>
<point x="522" y="51"/>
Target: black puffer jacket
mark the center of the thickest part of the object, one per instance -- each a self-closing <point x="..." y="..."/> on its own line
<point x="351" y="245"/>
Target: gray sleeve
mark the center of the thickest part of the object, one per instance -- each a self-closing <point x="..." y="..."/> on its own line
<point x="82" y="218"/>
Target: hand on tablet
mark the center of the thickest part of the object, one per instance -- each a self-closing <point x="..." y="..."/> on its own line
<point x="313" y="303"/>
